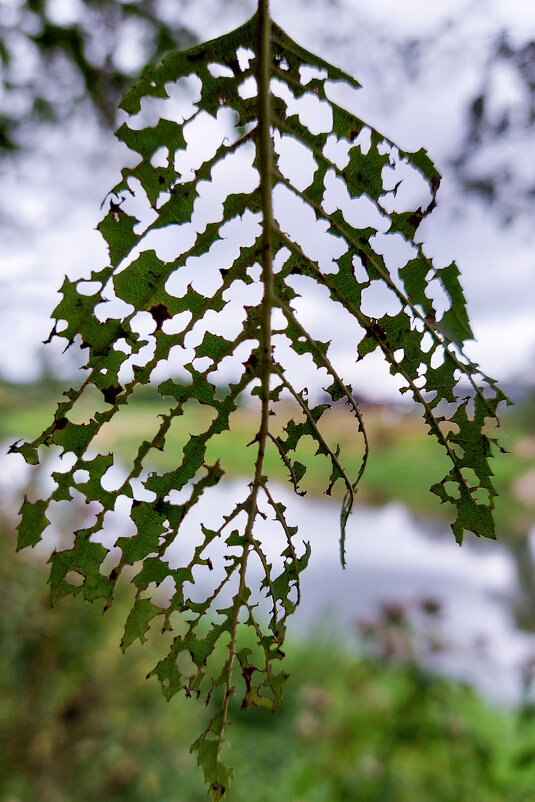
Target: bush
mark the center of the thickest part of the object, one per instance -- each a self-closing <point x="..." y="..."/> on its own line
<point x="79" y="723"/>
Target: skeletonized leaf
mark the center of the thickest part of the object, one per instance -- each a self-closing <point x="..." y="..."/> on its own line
<point x="212" y="590"/>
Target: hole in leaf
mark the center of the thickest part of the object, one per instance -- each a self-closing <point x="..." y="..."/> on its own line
<point x="437" y="358"/>
<point x="88" y="288"/>
<point x="244" y="55"/>
<point x="160" y="157"/>
<point x="378" y="300"/>
<point x="395" y="250"/>
<point x="359" y="212"/>
<point x="295" y="161"/>
<point x="74" y="578"/>
<point x="359" y="271"/>
<point x="307" y="73"/>
<point x="337" y="151"/>
<point x="435" y="292"/>
<point x="247" y="89"/>
<point x="140" y="491"/>
<point x="116" y="474"/>
<point x="427" y="342"/>
<point x="220" y="71"/>
<point x="363" y="140"/>
<point x="81" y="476"/>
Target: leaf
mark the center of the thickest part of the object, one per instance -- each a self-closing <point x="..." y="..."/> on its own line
<point x="32" y="524"/>
<point x="210" y="655"/>
<point x="217" y="776"/>
<point x="454" y="323"/>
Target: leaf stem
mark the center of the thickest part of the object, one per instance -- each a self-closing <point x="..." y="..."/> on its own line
<point x="265" y="159"/>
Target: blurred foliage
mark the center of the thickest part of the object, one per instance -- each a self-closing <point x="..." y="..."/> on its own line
<point x="494" y="157"/>
<point x="79" y="723"/>
<point x="54" y="56"/>
<point x="403" y="458"/>
<point x="524" y="412"/>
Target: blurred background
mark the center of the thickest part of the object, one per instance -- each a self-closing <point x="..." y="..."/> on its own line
<point x="433" y="645"/>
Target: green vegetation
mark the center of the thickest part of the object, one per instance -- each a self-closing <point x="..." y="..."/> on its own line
<point x="79" y="723"/>
<point x="403" y="459"/>
<point x="368" y="728"/>
<point x="221" y="643"/>
<point x="85" y="44"/>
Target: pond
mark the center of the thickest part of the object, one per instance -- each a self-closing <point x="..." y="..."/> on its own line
<point x="392" y="559"/>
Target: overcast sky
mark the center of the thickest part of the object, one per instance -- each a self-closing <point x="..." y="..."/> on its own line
<point x="56" y="194"/>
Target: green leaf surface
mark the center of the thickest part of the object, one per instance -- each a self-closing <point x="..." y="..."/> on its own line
<point x="33" y="523"/>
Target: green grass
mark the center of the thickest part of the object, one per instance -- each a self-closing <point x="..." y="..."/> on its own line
<point x="403" y="464"/>
<point x="79" y="723"/>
